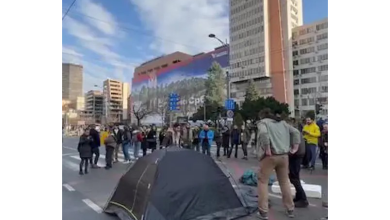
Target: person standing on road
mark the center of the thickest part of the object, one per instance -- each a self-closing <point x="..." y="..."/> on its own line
<point x="152" y="138"/>
<point x="311" y="133"/>
<point x="126" y="135"/>
<point x="118" y="136"/>
<point x="206" y="137"/>
<point x="245" y="138"/>
<point x="225" y="140"/>
<point x="161" y="136"/>
<point x="136" y="139"/>
<point x="274" y="146"/>
<point x="110" y="143"/>
<point x="295" y="161"/>
<point x="218" y="140"/>
<point x="195" y="141"/>
<point x="235" y="141"/>
<point x="324" y="147"/>
<point x="94" y="133"/>
<point x="103" y="135"/>
<point x="186" y="137"/>
<point x="85" y="151"/>
<point x="144" y="143"/>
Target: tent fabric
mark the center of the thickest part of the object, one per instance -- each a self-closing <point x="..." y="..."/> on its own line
<point x="176" y="184"/>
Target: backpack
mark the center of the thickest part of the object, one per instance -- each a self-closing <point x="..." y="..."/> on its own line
<point x="250" y="178"/>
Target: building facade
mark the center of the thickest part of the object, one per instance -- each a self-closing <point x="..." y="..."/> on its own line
<point x="160" y="63"/>
<point x="260" y="47"/>
<point x="310" y="54"/>
<point x="187" y="79"/>
<point x="94" y="105"/>
<point x="115" y="96"/>
<point x="72" y="82"/>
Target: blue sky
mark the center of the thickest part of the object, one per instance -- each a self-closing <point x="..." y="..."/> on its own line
<point x="110" y="37"/>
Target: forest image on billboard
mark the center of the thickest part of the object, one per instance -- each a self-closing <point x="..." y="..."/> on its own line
<point x="186" y="79"/>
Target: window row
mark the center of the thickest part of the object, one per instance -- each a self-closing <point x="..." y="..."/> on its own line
<point x="322" y="57"/>
<point x="249" y="14"/>
<point x="247" y="62"/>
<point x="247" y="33"/>
<point x="246" y="24"/>
<point x="322" y="26"/>
<point x="247" y="43"/>
<point x="310" y="39"/>
<point x="311" y="70"/>
<point x="322" y="46"/>
<point x="248" y="72"/>
<point x="248" y="4"/>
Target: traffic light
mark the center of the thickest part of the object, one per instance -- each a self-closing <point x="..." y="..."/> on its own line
<point x="174" y="100"/>
<point x="318" y="108"/>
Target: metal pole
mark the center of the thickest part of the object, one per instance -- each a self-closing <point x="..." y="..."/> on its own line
<point x="228" y="84"/>
<point x="204" y="111"/>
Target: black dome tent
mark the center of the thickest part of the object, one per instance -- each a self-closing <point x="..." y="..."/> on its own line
<point x="176" y="184"/>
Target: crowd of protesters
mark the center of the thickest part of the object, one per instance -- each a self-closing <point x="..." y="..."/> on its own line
<point x="282" y="146"/>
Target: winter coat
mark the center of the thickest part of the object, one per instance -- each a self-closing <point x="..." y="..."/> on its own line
<point x="210" y="136"/>
<point x="235" y="136"/>
<point x="103" y="136"/>
<point x="84" y="147"/>
<point x="218" y="137"/>
<point x="302" y="146"/>
<point x="170" y="135"/>
<point x="226" y="138"/>
<point x="245" y="135"/>
<point x="96" y="138"/>
<point x="323" y="139"/>
<point x="186" y="136"/>
<point x="110" y="141"/>
<point x="118" y="136"/>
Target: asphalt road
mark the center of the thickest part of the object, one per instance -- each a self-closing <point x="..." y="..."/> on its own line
<point x="85" y="196"/>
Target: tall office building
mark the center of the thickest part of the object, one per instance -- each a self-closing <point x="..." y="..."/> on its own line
<point x="260" y="47"/>
<point x="310" y="53"/>
<point x="72" y="82"/>
<point x="94" y="105"/>
<point x="115" y="96"/>
<point x="125" y="98"/>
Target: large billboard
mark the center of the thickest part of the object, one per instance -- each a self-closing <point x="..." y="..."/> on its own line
<point x="186" y="79"/>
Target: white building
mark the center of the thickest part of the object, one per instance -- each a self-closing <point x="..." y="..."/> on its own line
<point x="260" y="47"/>
<point x="115" y="97"/>
<point x="310" y="52"/>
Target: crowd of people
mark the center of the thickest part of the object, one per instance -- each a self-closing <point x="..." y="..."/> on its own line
<point x="282" y="146"/>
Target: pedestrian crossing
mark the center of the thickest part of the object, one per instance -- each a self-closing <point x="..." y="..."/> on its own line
<point x="72" y="161"/>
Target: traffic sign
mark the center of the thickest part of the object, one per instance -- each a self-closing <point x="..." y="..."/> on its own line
<point x="229" y="104"/>
<point x="174" y="100"/>
<point x="230" y="114"/>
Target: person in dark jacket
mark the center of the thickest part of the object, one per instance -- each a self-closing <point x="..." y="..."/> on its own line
<point x="110" y="142"/>
<point x="195" y="138"/>
<point x="144" y="143"/>
<point x="323" y="144"/>
<point x="245" y="138"/>
<point x="295" y="161"/>
<point x="95" y="146"/>
<point x="85" y="151"/>
<point x="225" y="140"/>
<point x="118" y="136"/>
<point x="126" y="139"/>
<point x="235" y="137"/>
<point x="161" y="136"/>
<point x="218" y="140"/>
<point x="151" y="138"/>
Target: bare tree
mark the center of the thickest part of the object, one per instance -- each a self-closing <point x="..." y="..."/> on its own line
<point x="162" y="111"/>
<point x="140" y="112"/>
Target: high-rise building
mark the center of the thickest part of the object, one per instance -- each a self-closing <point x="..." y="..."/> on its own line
<point x="94" y="105"/>
<point x="72" y="82"/>
<point x="125" y="99"/>
<point x="115" y="94"/>
<point x="260" y="47"/>
<point x="310" y="53"/>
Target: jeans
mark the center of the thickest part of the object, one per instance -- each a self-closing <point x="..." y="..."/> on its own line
<point x="279" y="163"/>
<point x="206" y="148"/>
<point x="125" y="149"/>
<point x="137" y="146"/>
<point x="116" y="151"/>
<point x="313" y="152"/>
<point x="295" y="168"/>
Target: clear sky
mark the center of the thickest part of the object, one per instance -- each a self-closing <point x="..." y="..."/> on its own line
<point x="110" y="37"/>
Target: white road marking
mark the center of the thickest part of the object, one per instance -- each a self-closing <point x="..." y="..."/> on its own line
<point x="68" y="154"/>
<point x="101" y="164"/>
<point x="280" y="197"/>
<point x="71" y="165"/>
<point x="93" y="206"/>
<point x="68" y="187"/>
<point x="69" y="148"/>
